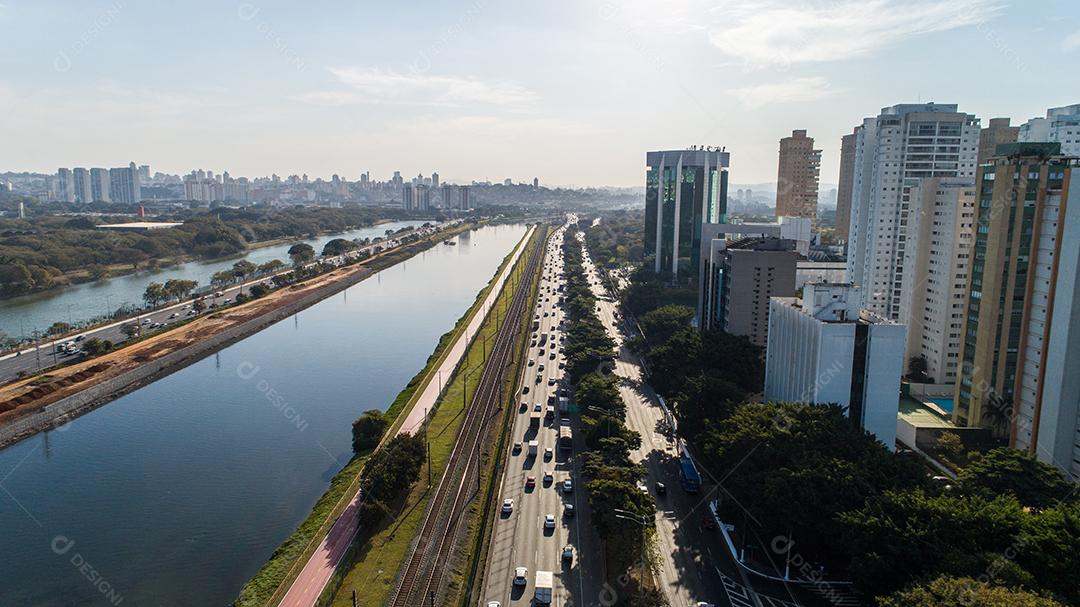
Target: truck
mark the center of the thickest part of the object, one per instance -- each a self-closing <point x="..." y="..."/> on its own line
<point x="534" y="420"/>
<point x="534" y="446"/>
<point x="688" y="473"/>
<point x="544" y="582"/>
<point x="566" y="438"/>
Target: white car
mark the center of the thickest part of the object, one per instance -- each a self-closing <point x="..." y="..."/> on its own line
<point x="568" y="486"/>
<point x="508" y="505"/>
<point x="521" y="576"/>
<point x="549" y="521"/>
<point x="493" y="604"/>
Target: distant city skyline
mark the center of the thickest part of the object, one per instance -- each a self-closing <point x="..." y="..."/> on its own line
<point x="567" y="91"/>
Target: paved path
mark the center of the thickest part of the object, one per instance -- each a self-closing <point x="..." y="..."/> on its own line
<point x="307" y="587"/>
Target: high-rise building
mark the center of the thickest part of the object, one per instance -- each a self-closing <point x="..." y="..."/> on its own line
<point x="741" y="276"/>
<point x="144" y="174"/>
<point x="995" y="134"/>
<point x="124" y="185"/>
<point x="65" y="181"/>
<point x="408" y="197"/>
<point x="434" y="181"/>
<point x="683" y="190"/>
<point x="893" y="150"/>
<point x="1022" y="327"/>
<point x="844" y="187"/>
<point x="823" y="348"/>
<point x="536" y="183"/>
<point x="940" y="232"/>
<point x="464" y="203"/>
<point x="422" y="197"/>
<point x="83" y="187"/>
<point x="1061" y="125"/>
<point x="797" y="176"/>
<point x="99" y="185"/>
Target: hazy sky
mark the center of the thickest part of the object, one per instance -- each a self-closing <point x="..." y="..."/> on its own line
<point x="570" y="91"/>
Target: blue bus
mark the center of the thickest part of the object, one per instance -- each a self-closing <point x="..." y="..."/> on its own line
<point x="688" y="472"/>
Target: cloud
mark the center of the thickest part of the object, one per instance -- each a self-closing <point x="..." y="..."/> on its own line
<point x="783" y="32"/>
<point x="374" y="85"/>
<point x="788" y="91"/>
<point x="1071" y="42"/>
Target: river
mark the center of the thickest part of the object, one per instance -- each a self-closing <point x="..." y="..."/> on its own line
<point x="177" y="493"/>
<point x="20" y="316"/>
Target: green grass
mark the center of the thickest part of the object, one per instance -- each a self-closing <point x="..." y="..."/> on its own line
<point x="376" y="558"/>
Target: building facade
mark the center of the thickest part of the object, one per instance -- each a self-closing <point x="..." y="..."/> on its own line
<point x="683" y="190"/>
<point x="902" y="144"/>
<point x="799" y="169"/>
<point x="940" y="233"/>
<point x="996" y="133"/>
<point x="1019" y="361"/>
<point x="742" y="276"/>
<point x="99" y="185"/>
<point x="845" y="185"/>
<point x="83" y="191"/>
<point x="65" y="185"/>
<point x="1061" y="125"/>
<point x="124" y="185"/>
<point x="823" y="348"/>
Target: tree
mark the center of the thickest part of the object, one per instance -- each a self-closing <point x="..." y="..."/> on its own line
<point x="130" y="330"/>
<point x="59" y="328"/>
<point x="338" y="246"/>
<point x="155" y="294"/>
<point x="1006" y="471"/>
<point x="274" y="265"/>
<point x="600" y="391"/>
<point x="258" y="290"/>
<point x="660" y="324"/>
<point x="96" y="347"/>
<point x="243" y="268"/>
<point x="1049" y="547"/>
<point x="222" y="278"/>
<point x="948" y="591"/>
<point x="179" y="289"/>
<point x="917" y="367"/>
<point x="368" y="430"/>
<point x="301" y="253"/>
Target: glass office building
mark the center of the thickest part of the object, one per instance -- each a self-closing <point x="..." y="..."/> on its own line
<point x="683" y="190"/>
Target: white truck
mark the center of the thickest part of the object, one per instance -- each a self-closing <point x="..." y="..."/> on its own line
<point x="533" y="447"/>
<point x="543" y="587"/>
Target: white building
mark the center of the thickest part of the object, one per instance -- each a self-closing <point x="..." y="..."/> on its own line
<point x="1061" y="125"/>
<point x="939" y="236"/>
<point x="99" y="185"/>
<point x="825" y="349"/>
<point x="65" y="181"/>
<point x="903" y="144"/>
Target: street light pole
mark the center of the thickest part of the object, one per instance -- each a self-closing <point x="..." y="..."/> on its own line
<point x="641" y="520"/>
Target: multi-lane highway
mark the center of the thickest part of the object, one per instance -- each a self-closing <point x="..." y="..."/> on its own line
<point x="522" y="535"/>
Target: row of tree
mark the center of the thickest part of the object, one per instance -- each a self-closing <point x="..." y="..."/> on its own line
<point x="1007" y="532"/>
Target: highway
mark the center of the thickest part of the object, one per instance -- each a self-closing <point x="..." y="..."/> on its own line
<point x="29" y="361"/>
<point x="519" y="537"/>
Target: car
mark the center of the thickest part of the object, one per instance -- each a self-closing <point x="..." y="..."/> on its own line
<point x="549" y="521"/>
<point x="191" y="312"/>
<point x="524" y="406"/>
<point x="568" y="510"/>
<point x="521" y="576"/>
<point x="568" y="553"/>
<point x="530" y="482"/>
<point x="539" y="378"/>
<point x="508" y="506"/>
<point x="227" y="300"/>
<point x="552" y="357"/>
<point x="541" y="351"/>
<point x="562" y="365"/>
<point x="702" y="604"/>
<point x="551" y="381"/>
<point x="541" y="367"/>
<point x="564" y="421"/>
<point x="567" y="486"/>
<point x="493" y="604"/>
<point x="549" y="453"/>
<point x="548" y="476"/>
<point x="661" y="488"/>
<point x="525" y="390"/>
<point x="517" y="447"/>
<point x="537" y="408"/>
<point x="174" y="315"/>
<point x="532" y="362"/>
<point x="145" y="321"/>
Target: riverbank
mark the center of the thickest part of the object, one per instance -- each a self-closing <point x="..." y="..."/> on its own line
<point x="274" y="579"/>
<point x="37" y="403"/>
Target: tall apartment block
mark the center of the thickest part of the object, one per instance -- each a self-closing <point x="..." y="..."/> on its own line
<point x="1061" y="125"/>
<point x="893" y="150"/>
<point x="823" y="348"/>
<point x="844" y="187"/>
<point x="1022" y="326"/>
<point x="995" y="134"/>
<point x="797" y="176"/>
<point x="83" y="192"/>
<point x="99" y="185"/>
<point x="742" y="276"/>
<point x="65" y="181"/>
<point x="124" y="185"/>
<point x="683" y="190"/>
<point x="940" y="233"/>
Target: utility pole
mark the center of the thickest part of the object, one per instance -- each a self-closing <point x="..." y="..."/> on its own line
<point x="641" y="520"/>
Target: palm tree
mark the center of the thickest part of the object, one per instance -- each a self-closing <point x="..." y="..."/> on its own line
<point x="997" y="414"/>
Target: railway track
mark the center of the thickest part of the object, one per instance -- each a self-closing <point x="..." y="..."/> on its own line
<point x="421" y="582"/>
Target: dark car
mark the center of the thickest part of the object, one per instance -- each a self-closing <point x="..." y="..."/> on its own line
<point x="661" y="488"/>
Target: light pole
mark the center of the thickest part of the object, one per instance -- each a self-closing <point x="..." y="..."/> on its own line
<point x="642" y="520"/>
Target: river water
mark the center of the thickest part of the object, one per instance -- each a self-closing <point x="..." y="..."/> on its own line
<point x="20" y="316"/>
<point x="177" y="493"/>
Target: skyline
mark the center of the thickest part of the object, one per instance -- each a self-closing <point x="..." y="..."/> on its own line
<point x="259" y="88"/>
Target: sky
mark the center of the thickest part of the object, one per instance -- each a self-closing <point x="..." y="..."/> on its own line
<point x="573" y="92"/>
